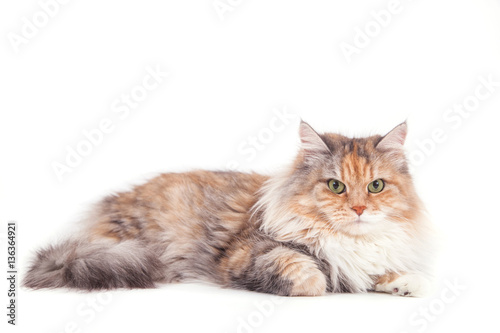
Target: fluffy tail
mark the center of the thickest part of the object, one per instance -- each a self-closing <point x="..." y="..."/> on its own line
<point x="92" y="266"/>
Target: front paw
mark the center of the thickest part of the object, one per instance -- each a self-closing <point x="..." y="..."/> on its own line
<point x="309" y="282"/>
<point x="406" y="285"/>
<point x="299" y="271"/>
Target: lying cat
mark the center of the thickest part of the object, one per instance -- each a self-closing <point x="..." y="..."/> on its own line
<point x="344" y="217"/>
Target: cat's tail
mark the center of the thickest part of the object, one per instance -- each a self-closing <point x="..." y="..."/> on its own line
<point x="93" y="266"/>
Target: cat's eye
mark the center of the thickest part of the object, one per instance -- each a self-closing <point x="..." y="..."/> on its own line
<point x="376" y="186"/>
<point x="336" y="186"/>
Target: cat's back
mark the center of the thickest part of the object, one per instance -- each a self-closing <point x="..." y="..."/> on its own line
<point x="184" y="205"/>
<point x="211" y="190"/>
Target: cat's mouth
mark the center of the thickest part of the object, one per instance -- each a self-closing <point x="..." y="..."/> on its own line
<point x="359" y="220"/>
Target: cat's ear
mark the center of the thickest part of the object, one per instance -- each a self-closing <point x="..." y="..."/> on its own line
<point x="312" y="144"/>
<point x="395" y="139"/>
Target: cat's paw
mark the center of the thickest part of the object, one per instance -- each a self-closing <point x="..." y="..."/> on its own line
<point x="310" y="282"/>
<point x="302" y="272"/>
<point x="406" y="285"/>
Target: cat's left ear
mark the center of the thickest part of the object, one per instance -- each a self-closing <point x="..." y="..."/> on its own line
<point x="312" y="145"/>
<point x="395" y="139"/>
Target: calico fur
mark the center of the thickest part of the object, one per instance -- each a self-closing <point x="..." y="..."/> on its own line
<point x="286" y="234"/>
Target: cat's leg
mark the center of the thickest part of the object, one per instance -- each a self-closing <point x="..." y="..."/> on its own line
<point x="403" y="284"/>
<point x="281" y="271"/>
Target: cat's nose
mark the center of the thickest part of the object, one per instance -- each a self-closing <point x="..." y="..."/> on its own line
<point x="359" y="209"/>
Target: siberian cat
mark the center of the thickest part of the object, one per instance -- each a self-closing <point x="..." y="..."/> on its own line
<point x="344" y="217"/>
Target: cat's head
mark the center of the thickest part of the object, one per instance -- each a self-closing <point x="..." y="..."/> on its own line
<point x="354" y="186"/>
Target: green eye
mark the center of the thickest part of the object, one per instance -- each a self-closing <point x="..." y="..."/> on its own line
<point x="376" y="186"/>
<point x="336" y="186"/>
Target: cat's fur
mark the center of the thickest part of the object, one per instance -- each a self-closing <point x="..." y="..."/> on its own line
<point x="288" y="234"/>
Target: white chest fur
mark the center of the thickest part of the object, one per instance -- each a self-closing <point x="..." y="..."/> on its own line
<point x="355" y="261"/>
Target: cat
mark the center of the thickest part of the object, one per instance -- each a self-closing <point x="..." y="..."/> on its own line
<point x="343" y="217"/>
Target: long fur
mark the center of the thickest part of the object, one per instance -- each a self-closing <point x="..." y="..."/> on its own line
<point x="287" y="234"/>
<point x="101" y="265"/>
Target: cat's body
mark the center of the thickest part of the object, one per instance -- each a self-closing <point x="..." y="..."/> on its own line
<point x="289" y="234"/>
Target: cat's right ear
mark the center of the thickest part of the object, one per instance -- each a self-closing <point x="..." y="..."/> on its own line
<point x="395" y="139"/>
<point x="312" y="145"/>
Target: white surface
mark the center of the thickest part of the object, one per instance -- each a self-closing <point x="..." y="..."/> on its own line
<point x="225" y="79"/>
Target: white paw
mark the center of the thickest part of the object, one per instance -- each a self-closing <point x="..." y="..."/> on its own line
<point x="406" y="285"/>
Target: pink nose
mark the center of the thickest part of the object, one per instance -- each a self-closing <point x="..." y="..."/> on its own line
<point x="359" y="209"/>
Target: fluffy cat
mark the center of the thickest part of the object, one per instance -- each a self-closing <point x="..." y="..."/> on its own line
<point x="344" y="217"/>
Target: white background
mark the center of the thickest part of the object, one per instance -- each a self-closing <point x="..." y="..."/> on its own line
<point x="226" y="76"/>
